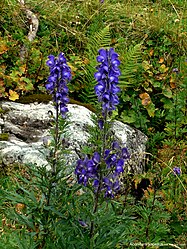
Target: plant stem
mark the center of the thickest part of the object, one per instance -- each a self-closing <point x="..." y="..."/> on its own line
<point x="96" y="200"/>
<point x="95" y="209"/>
<point x="53" y="174"/>
<point x="56" y="138"/>
<point x="149" y="217"/>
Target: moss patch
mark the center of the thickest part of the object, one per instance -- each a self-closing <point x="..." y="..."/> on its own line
<point x="2" y="111"/>
<point x="40" y="98"/>
<point x="4" y="136"/>
<point x="45" y="98"/>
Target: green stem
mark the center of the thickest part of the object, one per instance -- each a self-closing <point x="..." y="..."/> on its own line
<point x="56" y="138"/>
<point x="96" y="200"/>
<point x="51" y="181"/>
<point x="149" y="218"/>
<point x="95" y="207"/>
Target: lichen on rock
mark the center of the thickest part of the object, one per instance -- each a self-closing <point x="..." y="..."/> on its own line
<point x="28" y="127"/>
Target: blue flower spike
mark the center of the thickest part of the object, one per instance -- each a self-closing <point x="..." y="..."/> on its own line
<point x="107" y="78"/>
<point x="60" y="74"/>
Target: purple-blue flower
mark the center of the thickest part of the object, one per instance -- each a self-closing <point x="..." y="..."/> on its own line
<point x="107" y="78"/>
<point x="110" y="185"/>
<point x="87" y="168"/>
<point x="176" y="70"/>
<point x="111" y="168"/>
<point x="82" y="223"/>
<point x="177" y="171"/>
<point x="60" y="74"/>
<point x="116" y="157"/>
<point x="101" y="124"/>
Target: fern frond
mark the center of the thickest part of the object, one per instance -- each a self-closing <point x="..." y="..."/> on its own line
<point x="131" y="64"/>
<point x="101" y="39"/>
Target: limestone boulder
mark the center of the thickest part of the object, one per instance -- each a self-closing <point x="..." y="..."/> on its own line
<point x="28" y="127"/>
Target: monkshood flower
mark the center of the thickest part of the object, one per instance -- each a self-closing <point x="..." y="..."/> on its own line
<point x="110" y="185"/>
<point x="87" y="168"/>
<point x="176" y="70"/>
<point x="82" y="223"/>
<point x="114" y="161"/>
<point x="107" y="78"/>
<point x="116" y="156"/>
<point x="60" y="74"/>
<point x="176" y="171"/>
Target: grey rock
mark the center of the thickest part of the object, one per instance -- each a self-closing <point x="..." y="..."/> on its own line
<point x="28" y="126"/>
<point x="135" y="141"/>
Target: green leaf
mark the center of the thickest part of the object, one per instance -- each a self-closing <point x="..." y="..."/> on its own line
<point x="168" y="104"/>
<point x="26" y="80"/>
<point x="151" y="109"/>
<point x="128" y="117"/>
<point x="167" y="92"/>
<point x="155" y="83"/>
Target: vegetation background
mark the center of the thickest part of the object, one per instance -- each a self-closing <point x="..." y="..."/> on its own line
<point x="151" y="39"/>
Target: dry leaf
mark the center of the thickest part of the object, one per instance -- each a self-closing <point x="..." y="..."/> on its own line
<point x="172" y="83"/>
<point x="86" y="61"/>
<point x="20" y="207"/>
<point x="13" y="95"/>
<point x="163" y="68"/>
<point x="151" y="52"/>
<point x="146" y="100"/>
<point x="3" y="48"/>
<point x="161" y="60"/>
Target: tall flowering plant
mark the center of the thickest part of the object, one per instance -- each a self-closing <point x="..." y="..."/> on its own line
<point x="104" y="168"/>
<point x="60" y="74"/>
